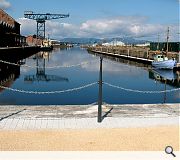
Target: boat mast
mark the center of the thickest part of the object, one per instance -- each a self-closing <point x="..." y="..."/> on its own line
<point x="167" y="40"/>
<point x="158" y="43"/>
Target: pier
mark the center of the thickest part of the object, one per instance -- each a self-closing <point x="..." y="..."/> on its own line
<point x="141" y="55"/>
<point x="144" y="60"/>
<point x="84" y="116"/>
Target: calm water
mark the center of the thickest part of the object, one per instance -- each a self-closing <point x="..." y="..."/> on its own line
<point x="123" y="73"/>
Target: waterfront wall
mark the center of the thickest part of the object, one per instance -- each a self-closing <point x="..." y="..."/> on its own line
<point x="17" y="53"/>
<point x="139" y="52"/>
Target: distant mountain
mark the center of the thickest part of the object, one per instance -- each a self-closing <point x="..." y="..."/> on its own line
<point x="126" y="40"/>
<point x="81" y="40"/>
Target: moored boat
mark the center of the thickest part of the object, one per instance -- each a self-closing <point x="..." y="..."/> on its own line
<point x="46" y="45"/>
<point x="162" y="62"/>
<point x="46" y="48"/>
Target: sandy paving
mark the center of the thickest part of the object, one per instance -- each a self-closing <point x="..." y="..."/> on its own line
<point x="99" y="139"/>
<point x="75" y="128"/>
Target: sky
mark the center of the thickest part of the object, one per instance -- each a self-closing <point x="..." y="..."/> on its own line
<point x="143" y="19"/>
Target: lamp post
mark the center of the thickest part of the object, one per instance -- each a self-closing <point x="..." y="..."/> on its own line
<point x="100" y="93"/>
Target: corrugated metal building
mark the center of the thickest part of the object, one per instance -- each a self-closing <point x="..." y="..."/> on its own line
<point x="172" y="46"/>
<point x="9" y="31"/>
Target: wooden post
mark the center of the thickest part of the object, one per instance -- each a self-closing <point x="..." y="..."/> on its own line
<point x="158" y="43"/>
<point x="147" y="54"/>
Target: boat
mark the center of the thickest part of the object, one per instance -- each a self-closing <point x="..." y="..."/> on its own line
<point x="46" y="45"/>
<point x="162" y="62"/>
<point x="46" y="48"/>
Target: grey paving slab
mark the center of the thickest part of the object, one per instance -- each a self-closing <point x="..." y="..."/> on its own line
<point x="72" y="117"/>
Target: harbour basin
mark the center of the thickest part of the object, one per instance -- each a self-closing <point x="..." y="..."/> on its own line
<point x="63" y="75"/>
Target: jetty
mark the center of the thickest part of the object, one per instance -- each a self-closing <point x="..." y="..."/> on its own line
<point x="137" y="54"/>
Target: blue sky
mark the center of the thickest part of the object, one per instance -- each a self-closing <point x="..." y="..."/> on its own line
<point x="148" y="16"/>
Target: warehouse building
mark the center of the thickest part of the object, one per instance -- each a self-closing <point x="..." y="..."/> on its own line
<point x="9" y="31"/>
<point x="32" y="40"/>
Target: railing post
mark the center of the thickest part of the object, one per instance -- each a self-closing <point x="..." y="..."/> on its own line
<point x="100" y="93"/>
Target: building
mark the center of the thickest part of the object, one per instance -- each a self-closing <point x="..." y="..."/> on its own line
<point x="143" y="45"/>
<point x="116" y="43"/>
<point x="162" y="46"/>
<point x="32" y="40"/>
<point x="9" y="31"/>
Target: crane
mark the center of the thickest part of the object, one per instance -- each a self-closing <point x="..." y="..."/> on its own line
<point x="41" y="19"/>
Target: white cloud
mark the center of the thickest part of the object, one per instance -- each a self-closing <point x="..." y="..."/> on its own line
<point x="28" y="27"/>
<point x="134" y="26"/>
<point x="60" y="30"/>
<point x="107" y="27"/>
<point x="124" y="26"/>
<point x="4" y="4"/>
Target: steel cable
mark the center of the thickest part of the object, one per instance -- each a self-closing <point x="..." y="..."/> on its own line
<point x="49" y="67"/>
<point x="140" y="91"/>
<point x="48" y="92"/>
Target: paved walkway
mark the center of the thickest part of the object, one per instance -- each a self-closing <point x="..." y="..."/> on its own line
<point x="76" y="117"/>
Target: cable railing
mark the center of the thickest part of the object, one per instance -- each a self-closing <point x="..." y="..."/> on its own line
<point x="100" y="83"/>
<point x="141" y="91"/>
<point x="81" y="87"/>
<point x="49" y="92"/>
<point x="49" y="67"/>
<point x="89" y="85"/>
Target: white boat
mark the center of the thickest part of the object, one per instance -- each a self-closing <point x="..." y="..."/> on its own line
<point x="162" y="62"/>
<point x="46" y="45"/>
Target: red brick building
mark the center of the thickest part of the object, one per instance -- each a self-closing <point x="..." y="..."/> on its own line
<point x="33" y="41"/>
<point x="9" y="31"/>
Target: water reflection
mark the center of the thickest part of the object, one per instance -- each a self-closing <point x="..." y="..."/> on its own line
<point x="8" y="74"/>
<point x="41" y="75"/>
<point x="165" y="76"/>
<point x="171" y="77"/>
<point x="116" y="71"/>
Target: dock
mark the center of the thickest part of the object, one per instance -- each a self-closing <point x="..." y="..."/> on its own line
<point x="14" y="54"/>
<point x="138" y="59"/>
<point x="141" y="55"/>
<point x="177" y="68"/>
<point x="19" y="49"/>
<point x="85" y="116"/>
